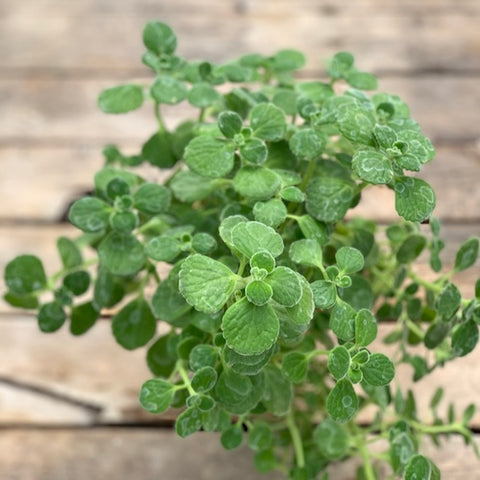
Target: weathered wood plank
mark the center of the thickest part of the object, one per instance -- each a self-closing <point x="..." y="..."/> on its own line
<point x="106" y="35"/>
<point x="60" y="379"/>
<point x="145" y="454"/>
<point x="38" y="183"/>
<point x="62" y="112"/>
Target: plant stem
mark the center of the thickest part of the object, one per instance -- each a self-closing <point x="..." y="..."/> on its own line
<point x="439" y="429"/>
<point x="367" y="464"/>
<point x="296" y="439"/>
<point x="158" y="115"/>
<point x="308" y="174"/>
<point x="183" y="373"/>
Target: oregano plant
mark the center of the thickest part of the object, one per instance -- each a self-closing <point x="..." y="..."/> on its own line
<point x="265" y="326"/>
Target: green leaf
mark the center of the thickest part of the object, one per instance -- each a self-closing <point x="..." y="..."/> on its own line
<point x="278" y="391"/>
<point x="288" y="60"/>
<point x="372" y="167"/>
<point x="168" y="303"/>
<point x="365" y="328"/>
<point x="338" y="362"/>
<point x="163" y="248"/>
<point x="51" y="317"/>
<point x="188" y="422"/>
<point x="248" y="329"/>
<point x="285" y="283"/>
<point x="83" y="317"/>
<point x="232" y="437"/>
<point x="260" y="437"/>
<point x="307" y="143"/>
<point x="379" y="370"/>
<point x="247" y="364"/>
<point x="342" y="321"/>
<point x="292" y="194"/>
<point x="69" y="253"/>
<point x="21" y="301"/>
<point x="158" y="150"/>
<point x="202" y="356"/>
<point x="435" y="334"/>
<point x="411" y="248"/>
<point x="362" y="80"/>
<point x="256" y="182"/>
<point x="77" y="282"/>
<point x="265" y="461"/>
<point x="340" y="64"/>
<point x="465" y="338"/>
<point x="90" y="214"/>
<point x="324" y="293"/>
<point x="467" y="254"/>
<point x="342" y="402"/>
<point x="121" y="99"/>
<point x="331" y="439"/>
<point x="402" y="447"/>
<point x="230" y="123"/>
<point x="418" y="468"/>
<point x="286" y="100"/>
<point x="152" y="198"/>
<point x="203" y="95"/>
<point x="254" y="151"/>
<point x="204" y="379"/>
<point x="385" y="136"/>
<point x="121" y="254"/>
<point x="159" y="38"/>
<point x="25" y="274"/>
<point x="209" y="156"/>
<point x="190" y="187"/>
<point x="258" y="292"/>
<point x="268" y="122"/>
<point x="448" y="301"/>
<point x="156" y="395"/>
<point x="159" y="360"/>
<point x="205" y="283"/>
<point x="252" y="237"/>
<point x="134" y="325"/>
<point x="349" y="259"/>
<point x="295" y="366"/>
<point x="356" y="124"/>
<point x="107" y="174"/>
<point x="315" y="91"/>
<point x="414" y="199"/>
<point x="272" y="213"/>
<point x="306" y="252"/>
<point x="328" y="198"/>
<point x="167" y="89"/>
<point x="312" y="229"/>
<point x="263" y="260"/>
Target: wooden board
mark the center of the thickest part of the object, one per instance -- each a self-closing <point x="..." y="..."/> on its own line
<point x="38" y="183"/>
<point x="145" y="454"/>
<point x="390" y="35"/>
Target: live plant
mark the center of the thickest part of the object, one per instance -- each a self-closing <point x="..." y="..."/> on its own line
<point x="265" y="326"/>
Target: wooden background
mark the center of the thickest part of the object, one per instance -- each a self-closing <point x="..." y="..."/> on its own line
<point x="68" y="407"/>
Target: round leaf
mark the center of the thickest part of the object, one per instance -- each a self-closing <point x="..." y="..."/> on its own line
<point x="295" y="366"/>
<point x="159" y="38"/>
<point x="465" y="338"/>
<point x="379" y="370"/>
<point x="121" y="99"/>
<point x="372" y="167"/>
<point x="230" y="123"/>
<point x="156" y="395"/>
<point x="285" y="283"/>
<point x="307" y="143"/>
<point x="414" y="199"/>
<point x="202" y="95"/>
<point x="365" y="328"/>
<point x="254" y="151"/>
<point x="252" y="237"/>
<point x="258" y="292"/>
<point x="349" y="259"/>
<point x="257" y="182"/>
<point x="51" y="317"/>
<point x="167" y="89"/>
<point x="152" y="198"/>
<point x="272" y="213"/>
<point x="338" y="362"/>
<point x="25" y="274"/>
<point x="204" y="379"/>
<point x="306" y="252"/>
<point x="90" y="214"/>
<point x="268" y="122"/>
<point x="342" y="402"/>
<point x="342" y="321"/>
<point x="331" y="439"/>
<point x="121" y="254"/>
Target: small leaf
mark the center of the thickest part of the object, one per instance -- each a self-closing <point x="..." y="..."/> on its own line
<point x="285" y="283"/>
<point x="295" y="366"/>
<point x="268" y="122"/>
<point x="134" y="325"/>
<point x="83" y="317"/>
<point x="158" y="150"/>
<point x="51" y="317"/>
<point x="342" y="321"/>
<point x="254" y="151"/>
<point x="342" y="402"/>
<point x="467" y="254"/>
<point x="340" y="64"/>
<point x="256" y="182"/>
<point x="152" y="198"/>
<point x="292" y="194"/>
<point x="159" y="360"/>
<point x="260" y="437"/>
<point x="306" y="252"/>
<point x="263" y="260"/>
<point x="90" y="214"/>
<point x="203" y="95"/>
<point x="156" y="395"/>
<point x="258" y="292"/>
<point x="372" y="167"/>
<point x="465" y="338"/>
<point x="349" y="259"/>
<point x="324" y="293"/>
<point x="167" y="89"/>
<point x="202" y="356"/>
<point x="248" y="329"/>
<point x="252" y="237"/>
<point x="338" y="362"/>
<point x="272" y="213"/>
<point x="365" y="328"/>
<point x="163" y="248"/>
<point x="411" y="248"/>
<point x="69" y="253"/>
<point x="232" y="437"/>
<point x="159" y="38"/>
<point x="414" y="199"/>
<point x="121" y="254"/>
<point x="77" y="282"/>
<point x="204" y="379"/>
<point x="121" y="99"/>
<point x="205" y="283"/>
<point x="190" y="187"/>
<point x="448" y="301"/>
<point x="247" y="364"/>
<point x="356" y="124"/>
<point x="288" y="60"/>
<point x="230" y="123"/>
<point x="188" y="422"/>
<point x="362" y="80"/>
<point x="307" y="143"/>
<point x="278" y="391"/>
<point x="418" y="468"/>
<point x="25" y="274"/>
<point x="209" y="156"/>
<point x="328" y="198"/>
<point x="379" y="370"/>
<point x="331" y="439"/>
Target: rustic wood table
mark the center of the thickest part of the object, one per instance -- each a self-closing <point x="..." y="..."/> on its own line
<point x="68" y="406"/>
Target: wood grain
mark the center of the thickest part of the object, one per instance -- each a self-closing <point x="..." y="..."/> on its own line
<point x="99" y="36"/>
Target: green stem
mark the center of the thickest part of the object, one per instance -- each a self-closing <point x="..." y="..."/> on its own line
<point x="158" y="115"/>
<point x="296" y="440"/>
<point x="183" y="373"/>
<point x="439" y="429"/>
<point x="367" y="464"/>
<point x="308" y="174"/>
<point x="415" y="328"/>
<point x="316" y="352"/>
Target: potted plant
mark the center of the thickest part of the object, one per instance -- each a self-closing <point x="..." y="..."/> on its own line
<point x="263" y="327"/>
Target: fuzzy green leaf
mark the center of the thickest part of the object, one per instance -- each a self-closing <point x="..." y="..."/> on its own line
<point x="167" y="89"/>
<point x="25" y="274"/>
<point x="254" y="151"/>
<point x="252" y="237"/>
<point x="465" y="338"/>
<point x="69" y="253"/>
<point x="338" y="362"/>
<point x="295" y="366"/>
<point x="268" y="122"/>
<point x="257" y="182"/>
<point x="272" y="213"/>
<point x="156" y="395"/>
<point x="365" y="328"/>
<point x="467" y="254"/>
<point x="307" y="143"/>
<point x="349" y="259"/>
<point x="342" y="321"/>
<point x="414" y="199"/>
<point x="230" y="123"/>
<point x="306" y="252"/>
<point x="121" y="99"/>
<point x="448" y="301"/>
<point x="342" y="402"/>
<point x="159" y="38"/>
<point x="324" y="293"/>
<point x="278" y="391"/>
<point x="258" y="292"/>
<point x="203" y="95"/>
<point x="121" y="254"/>
<point x="285" y="283"/>
<point x="379" y="370"/>
<point x="372" y="167"/>
<point x="51" y="317"/>
<point x="152" y="198"/>
<point x="331" y="439"/>
<point x="90" y="214"/>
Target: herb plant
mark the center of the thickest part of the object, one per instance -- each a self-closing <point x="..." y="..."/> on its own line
<point x="264" y="325"/>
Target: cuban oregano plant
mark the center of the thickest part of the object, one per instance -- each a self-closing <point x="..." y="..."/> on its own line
<point x="264" y="325"/>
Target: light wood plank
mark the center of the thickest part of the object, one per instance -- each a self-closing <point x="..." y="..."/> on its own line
<point x="61" y="112"/>
<point x="106" y="35"/>
<point x="38" y="183"/>
<point x="91" y="379"/>
<point x="146" y="454"/>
